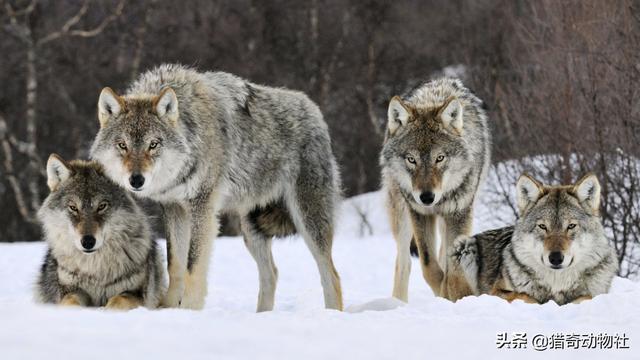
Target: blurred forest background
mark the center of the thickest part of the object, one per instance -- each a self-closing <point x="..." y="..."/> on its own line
<point x="560" y="79"/>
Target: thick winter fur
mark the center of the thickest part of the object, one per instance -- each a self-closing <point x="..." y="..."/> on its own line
<point x="556" y="251"/>
<point x="435" y="155"/>
<point x="100" y="248"/>
<point x="211" y="142"/>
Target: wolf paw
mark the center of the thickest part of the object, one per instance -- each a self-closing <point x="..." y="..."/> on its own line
<point x="465" y="250"/>
<point x="465" y="255"/>
<point x="173" y="298"/>
<point x="123" y="302"/>
<point x="192" y="301"/>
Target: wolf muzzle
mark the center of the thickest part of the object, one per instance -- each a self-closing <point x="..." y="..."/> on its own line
<point x="88" y="242"/>
<point x="136" y="181"/>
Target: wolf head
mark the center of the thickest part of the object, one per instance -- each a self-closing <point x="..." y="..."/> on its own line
<point x="83" y="206"/>
<point x="426" y="151"/>
<point x="559" y="226"/>
<point x="138" y="142"/>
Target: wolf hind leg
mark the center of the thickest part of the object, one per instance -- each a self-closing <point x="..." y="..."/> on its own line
<point x="312" y="212"/>
<point x="259" y="246"/>
<point x="464" y="256"/>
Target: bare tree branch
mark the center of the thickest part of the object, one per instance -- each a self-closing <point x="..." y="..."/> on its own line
<point x="66" y="30"/>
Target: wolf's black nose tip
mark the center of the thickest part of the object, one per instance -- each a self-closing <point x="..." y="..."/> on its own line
<point x="136" y="180"/>
<point x="88" y="242"/>
<point x="556" y="258"/>
<point x="427" y="197"/>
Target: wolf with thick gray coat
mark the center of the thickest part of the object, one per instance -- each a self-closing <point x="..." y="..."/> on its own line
<point x="205" y="143"/>
<point x="557" y="249"/>
<point x="100" y="247"/>
<point x="435" y="155"/>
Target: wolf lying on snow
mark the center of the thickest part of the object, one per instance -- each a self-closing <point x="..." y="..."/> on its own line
<point x="202" y="143"/>
<point x="100" y="248"/>
<point x="556" y="251"/>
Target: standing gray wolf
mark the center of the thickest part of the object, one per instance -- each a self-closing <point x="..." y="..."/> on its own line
<point x="100" y="247"/>
<point x="556" y="251"/>
<point x="204" y="143"/>
<point x="436" y="153"/>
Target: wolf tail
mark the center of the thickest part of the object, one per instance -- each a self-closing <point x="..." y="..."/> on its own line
<point x="273" y="220"/>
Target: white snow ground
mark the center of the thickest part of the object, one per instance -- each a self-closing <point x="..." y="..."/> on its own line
<point x="373" y="327"/>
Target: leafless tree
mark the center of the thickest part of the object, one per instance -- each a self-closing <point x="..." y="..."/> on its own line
<point x="19" y="22"/>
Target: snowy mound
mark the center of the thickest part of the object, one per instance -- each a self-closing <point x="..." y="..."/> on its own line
<point x="373" y="327"/>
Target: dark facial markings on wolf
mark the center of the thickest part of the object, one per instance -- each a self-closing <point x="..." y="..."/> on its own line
<point x="88" y="199"/>
<point x="556" y="226"/>
<point x="139" y="136"/>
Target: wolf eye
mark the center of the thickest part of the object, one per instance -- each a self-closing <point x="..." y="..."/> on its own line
<point x="122" y="146"/>
<point x="153" y="145"/>
<point x="439" y="158"/>
<point x="102" y="206"/>
<point x="571" y="226"/>
<point x="411" y="159"/>
<point x="543" y="227"/>
<point x="73" y="208"/>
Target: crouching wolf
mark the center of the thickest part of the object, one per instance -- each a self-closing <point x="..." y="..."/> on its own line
<point x="100" y="247"/>
<point x="556" y="251"/>
<point x="435" y="155"/>
<point x="204" y="143"/>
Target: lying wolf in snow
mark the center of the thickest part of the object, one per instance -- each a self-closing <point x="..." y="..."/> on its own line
<point x="556" y="251"/>
<point x="100" y="247"/>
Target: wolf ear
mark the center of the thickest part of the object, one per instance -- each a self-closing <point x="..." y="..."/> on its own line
<point x="109" y="104"/>
<point x="587" y="190"/>
<point x="166" y="105"/>
<point x="529" y="190"/>
<point x="398" y="114"/>
<point x="451" y="115"/>
<point x="57" y="171"/>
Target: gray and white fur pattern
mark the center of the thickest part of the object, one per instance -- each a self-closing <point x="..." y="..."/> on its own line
<point x="435" y="155"/>
<point x="204" y="143"/>
<point x="100" y="250"/>
<point x="557" y="249"/>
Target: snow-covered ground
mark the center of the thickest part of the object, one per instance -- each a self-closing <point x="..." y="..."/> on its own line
<point x="373" y="327"/>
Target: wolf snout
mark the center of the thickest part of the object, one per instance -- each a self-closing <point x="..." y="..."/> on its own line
<point x="88" y="242"/>
<point x="556" y="258"/>
<point x="427" y="197"/>
<point x="136" y="181"/>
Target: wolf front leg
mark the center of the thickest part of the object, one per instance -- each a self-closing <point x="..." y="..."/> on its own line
<point x="177" y="227"/>
<point x="424" y="233"/>
<point x="455" y="285"/>
<point x="204" y="227"/>
<point x="402" y="233"/>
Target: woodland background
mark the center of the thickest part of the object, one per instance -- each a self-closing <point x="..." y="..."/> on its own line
<point x="560" y="79"/>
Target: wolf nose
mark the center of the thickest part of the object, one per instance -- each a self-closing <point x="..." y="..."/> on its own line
<point x="136" y="180"/>
<point x="427" y="197"/>
<point x="556" y="258"/>
<point x="88" y="242"/>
